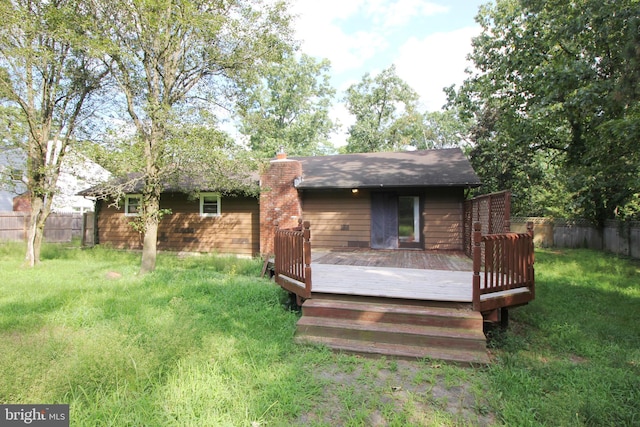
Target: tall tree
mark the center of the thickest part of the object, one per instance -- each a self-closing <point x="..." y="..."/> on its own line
<point x="562" y="78"/>
<point x="174" y="58"/>
<point x="444" y="129"/>
<point x="47" y="71"/>
<point x="385" y="108"/>
<point x="289" y="108"/>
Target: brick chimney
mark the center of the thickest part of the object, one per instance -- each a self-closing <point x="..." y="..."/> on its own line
<point x="279" y="200"/>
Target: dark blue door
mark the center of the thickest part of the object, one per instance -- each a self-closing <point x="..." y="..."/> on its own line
<point x="384" y="221"/>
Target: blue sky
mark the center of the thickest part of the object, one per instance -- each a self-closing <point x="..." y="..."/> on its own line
<point x="426" y="40"/>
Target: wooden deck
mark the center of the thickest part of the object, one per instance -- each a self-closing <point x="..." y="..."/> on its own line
<point x="417" y="275"/>
<point x="405" y="303"/>
<point x="428" y="260"/>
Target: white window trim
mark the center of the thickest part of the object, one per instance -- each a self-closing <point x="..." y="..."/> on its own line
<point x="202" y="197"/>
<point x="126" y="204"/>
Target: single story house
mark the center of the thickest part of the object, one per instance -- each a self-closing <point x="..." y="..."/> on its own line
<point x="390" y="200"/>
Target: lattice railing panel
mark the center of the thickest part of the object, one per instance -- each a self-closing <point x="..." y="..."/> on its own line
<point x="492" y="211"/>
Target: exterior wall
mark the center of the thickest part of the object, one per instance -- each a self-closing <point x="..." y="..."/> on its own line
<point x="338" y="218"/>
<point x="443" y="219"/>
<point x="235" y="231"/>
<point x="279" y="201"/>
<point x="342" y="219"/>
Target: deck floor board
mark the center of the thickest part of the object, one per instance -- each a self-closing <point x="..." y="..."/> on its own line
<point x="391" y="282"/>
<point x="403" y="274"/>
<point x="428" y="260"/>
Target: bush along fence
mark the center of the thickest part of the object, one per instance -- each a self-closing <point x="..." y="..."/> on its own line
<point x="59" y="228"/>
<point x="621" y="238"/>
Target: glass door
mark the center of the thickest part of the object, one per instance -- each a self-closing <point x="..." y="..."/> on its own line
<point x="409" y="221"/>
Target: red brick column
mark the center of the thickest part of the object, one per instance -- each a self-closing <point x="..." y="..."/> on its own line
<point x="279" y="200"/>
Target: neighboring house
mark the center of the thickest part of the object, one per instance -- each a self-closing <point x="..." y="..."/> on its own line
<point x="392" y="200"/>
<point x="76" y="174"/>
<point x="11" y="178"/>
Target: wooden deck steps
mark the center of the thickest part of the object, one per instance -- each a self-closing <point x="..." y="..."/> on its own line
<point x="395" y="328"/>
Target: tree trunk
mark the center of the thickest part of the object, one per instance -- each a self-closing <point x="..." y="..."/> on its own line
<point x="151" y="220"/>
<point x="35" y="231"/>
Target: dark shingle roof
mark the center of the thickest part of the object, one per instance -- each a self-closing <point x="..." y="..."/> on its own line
<point x="422" y="168"/>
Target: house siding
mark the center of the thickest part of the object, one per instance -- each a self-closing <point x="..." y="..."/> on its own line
<point x="235" y="231"/>
<point x="338" y="218"/>
<point x="443" y="219"/>
<point x="341" y="219"/>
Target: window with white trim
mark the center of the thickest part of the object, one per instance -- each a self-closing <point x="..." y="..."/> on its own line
<point x="132" y="204"/>
<point x="209" y="204"/>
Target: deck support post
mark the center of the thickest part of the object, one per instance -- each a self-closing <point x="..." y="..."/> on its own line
<point x="504" y="318"/>
<point x="477" y="264"/>
<point x="306" y="230"/>
<point x="531" y="261"/>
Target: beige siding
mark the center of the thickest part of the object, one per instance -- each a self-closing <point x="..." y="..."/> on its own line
<point x="338" y="218"/>
<point x="442" y="219"/>
<point x="235" y="231"/>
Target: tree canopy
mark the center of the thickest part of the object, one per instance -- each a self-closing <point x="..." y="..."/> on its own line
<point x="555" y="98"/>
<point x="47" y="78"/>
<point x="386" y="112"/>
<point x="174" y="60"/>
<point x="289" y="108"/>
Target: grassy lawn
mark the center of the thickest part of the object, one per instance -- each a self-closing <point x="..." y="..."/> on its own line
<point x="572" y="357"/>
<point x="203" y="341"/>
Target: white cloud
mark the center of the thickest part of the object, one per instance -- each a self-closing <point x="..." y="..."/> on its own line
<point x="437" y="61"/>
<point x="357" y="36"/>
<point x="397" y="14"/>
<point x="317" y="26"/>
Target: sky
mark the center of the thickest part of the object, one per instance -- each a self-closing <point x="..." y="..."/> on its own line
<point x="426" y="40"/>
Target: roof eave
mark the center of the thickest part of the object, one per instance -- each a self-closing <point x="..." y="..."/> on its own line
<point x="302" y="186"/>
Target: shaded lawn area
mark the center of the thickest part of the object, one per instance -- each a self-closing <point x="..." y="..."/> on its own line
<point x="204" y="341"/>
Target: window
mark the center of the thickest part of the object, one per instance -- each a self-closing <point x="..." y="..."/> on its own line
<point x="209" y="204"/>
<point x="132" y="204"/>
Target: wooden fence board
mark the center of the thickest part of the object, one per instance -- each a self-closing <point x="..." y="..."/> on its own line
<point x="59" y="228"/>
<point x="616" y="237"/>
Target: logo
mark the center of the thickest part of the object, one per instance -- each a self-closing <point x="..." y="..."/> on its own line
<point x="34" y="415"/>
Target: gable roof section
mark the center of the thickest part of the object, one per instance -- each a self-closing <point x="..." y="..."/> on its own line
<point x="422" y="168"/>
<point x="133" y="183"/>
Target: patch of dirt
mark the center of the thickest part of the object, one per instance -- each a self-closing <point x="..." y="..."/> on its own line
<point x="380" y="392"/>
<point x="113" y="275"/>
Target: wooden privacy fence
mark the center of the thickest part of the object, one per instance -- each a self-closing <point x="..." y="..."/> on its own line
<point x="293" y="260"/>
<point x="503" y="273"/>
<point x="618" y="237"/>
<point x="59" y="228"/>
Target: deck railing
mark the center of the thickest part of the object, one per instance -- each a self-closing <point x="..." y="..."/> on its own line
<point x="503" y="273"/>
<point x="293" y="259"/>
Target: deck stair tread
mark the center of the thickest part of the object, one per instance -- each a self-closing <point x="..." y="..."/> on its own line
<point x="393" y="312"/>
<point x="393" y="328"/>
<point x="418" y="330"/>
<point x="399" y="351"/>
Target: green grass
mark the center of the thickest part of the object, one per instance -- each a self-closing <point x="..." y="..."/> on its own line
<point x="203" y="341"/>
<point x="572" y="357"/>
